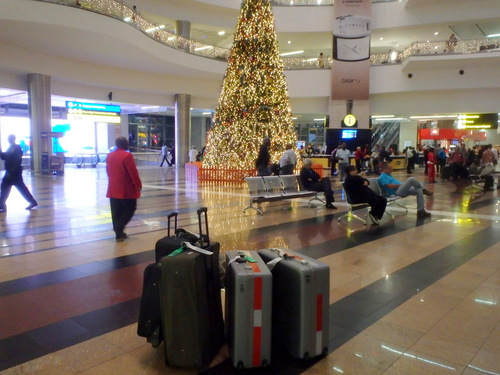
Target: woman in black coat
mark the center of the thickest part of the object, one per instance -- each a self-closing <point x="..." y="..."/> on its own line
<point x="359" y="191"/>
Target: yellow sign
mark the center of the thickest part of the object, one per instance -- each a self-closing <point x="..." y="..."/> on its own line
<point x="350" y="120"/>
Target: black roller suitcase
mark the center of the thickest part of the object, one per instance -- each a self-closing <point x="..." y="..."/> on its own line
<point x="149" y="324"/>
<point x="190" y="297"/>
<point x="301" y="287"/>
<point x="446" y="172"/>
<point x="170" y="243"/>
<point x="248" y="309"/>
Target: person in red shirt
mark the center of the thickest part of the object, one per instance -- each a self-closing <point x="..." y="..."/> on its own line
<point x="431" y="166"/>
<point x="124" y="186"/>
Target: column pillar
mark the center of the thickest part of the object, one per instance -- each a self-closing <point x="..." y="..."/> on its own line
<point x="40" y="113"/>
<point x="183" y="29"/>
<point x="182" y="127"/>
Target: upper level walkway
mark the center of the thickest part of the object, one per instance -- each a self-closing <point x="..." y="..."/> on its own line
<point x="125" y="13"/>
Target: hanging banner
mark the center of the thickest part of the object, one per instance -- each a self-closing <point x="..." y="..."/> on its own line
<point x="351" y="50"/>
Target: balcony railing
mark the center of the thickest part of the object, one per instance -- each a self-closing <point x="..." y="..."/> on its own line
<point x="315" y="2"/>
<point x="118" y="10"/>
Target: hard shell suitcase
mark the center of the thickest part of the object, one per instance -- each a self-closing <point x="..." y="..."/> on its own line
<point x="190" y="297"/>
<point x="300" y="302"/>
<point x="149" y="324"/>
<point x="248" y="309"/>
<point x="170" y="243"/>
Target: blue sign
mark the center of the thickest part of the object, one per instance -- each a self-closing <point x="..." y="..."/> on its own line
<point x="93" y="107"/>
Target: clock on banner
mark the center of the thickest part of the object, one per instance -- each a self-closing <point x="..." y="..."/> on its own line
<point x="350" y="121"/>
<point x="351" y="38"/>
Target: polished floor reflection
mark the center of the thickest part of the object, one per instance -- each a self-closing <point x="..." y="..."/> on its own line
<point x="410" y="296"/>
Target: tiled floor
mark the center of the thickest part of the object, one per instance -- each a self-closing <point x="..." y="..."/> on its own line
<point x="411" y="296"/>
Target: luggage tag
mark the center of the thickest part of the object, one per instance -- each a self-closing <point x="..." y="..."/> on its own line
<point x="281" y="256"/>
<point x="242" y="257"/>
<point x="189" y="246"/>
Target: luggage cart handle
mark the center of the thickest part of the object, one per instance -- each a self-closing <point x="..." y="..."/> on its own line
<point x="199" y="211"/>
<point x="169" y="217"/>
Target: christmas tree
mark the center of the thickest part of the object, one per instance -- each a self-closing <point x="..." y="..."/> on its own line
<point x="254" y="101"/>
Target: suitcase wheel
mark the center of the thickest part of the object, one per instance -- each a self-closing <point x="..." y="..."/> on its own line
<point x="240" y="366"/>
<point x="306" y="356"/>
<point x="325" y="351"/>
<point x="265" y="363"/>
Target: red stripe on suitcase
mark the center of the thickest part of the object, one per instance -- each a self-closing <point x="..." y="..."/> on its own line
<point x="257" y="293"/>
<point x="319" y="312"/>
<point x="257" y="337"/>
<point x="255" y="267"/>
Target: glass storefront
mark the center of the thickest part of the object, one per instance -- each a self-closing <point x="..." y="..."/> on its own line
<point x="151" y="131"/>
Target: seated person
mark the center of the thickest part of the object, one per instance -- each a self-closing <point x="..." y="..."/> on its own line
<point x="411" y="186"/>
<point x="311" y="181"/>
<point x="483" y="173"/>
<point x="359" y="192"/>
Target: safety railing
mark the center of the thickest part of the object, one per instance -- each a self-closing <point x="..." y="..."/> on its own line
<point x="315" y="2"/>
<point x="117" y="9"/>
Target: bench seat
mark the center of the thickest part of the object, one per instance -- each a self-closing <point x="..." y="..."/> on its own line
<point x="275" y="188"/>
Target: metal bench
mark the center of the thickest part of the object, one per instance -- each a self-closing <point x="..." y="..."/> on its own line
<point x="351" y="207"/>
<point x="274" y="188"/>
<point x="393" y="199"/>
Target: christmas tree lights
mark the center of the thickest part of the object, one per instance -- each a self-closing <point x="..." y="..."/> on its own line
<point x="254" y="101"/>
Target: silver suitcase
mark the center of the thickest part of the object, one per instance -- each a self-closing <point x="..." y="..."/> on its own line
<point x="248" y="309"/>
<point x="301" y="287"/>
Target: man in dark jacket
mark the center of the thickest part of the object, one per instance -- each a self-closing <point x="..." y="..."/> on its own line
<point x="263" y="159"/>
<point x="359" y="191"/>
<point x="14" y="175"/>
<point x="312" y="181"/>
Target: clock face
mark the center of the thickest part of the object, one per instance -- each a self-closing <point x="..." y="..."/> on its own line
<point x="350" y="120"/>
<point x="351" y="26"/>
<point x="356" y="49"/>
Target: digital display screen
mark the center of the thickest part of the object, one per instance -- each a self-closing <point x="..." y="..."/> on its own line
<point x="349" y="134"/>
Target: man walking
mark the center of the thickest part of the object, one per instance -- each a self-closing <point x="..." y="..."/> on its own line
<point x="14" y="175"/>
<point x="124" y="187"/>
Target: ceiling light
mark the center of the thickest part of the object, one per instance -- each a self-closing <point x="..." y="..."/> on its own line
<point x="294" y="118"/>
<point x="206" y="113"/>
<point x="493" y="35"/>
<point x="382" y="116"/>
<point x="319" y="119"/>
<point x="381" y="38"/>
<point x="203" y="48"/>
<point x="155" y="28"/>
<point x="289" y="41"/>
<point x="221" y="33"/>
<point x="127" y="19"/>
<point x="292" y="53"/>
<point x="313" y="59"/>
<point x="436" y="33"/>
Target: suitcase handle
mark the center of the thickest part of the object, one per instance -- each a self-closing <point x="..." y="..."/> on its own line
<point x="199" y="211"/>
<point x="169" y="217"/>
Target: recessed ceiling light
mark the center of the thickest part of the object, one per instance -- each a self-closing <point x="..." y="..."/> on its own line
<point x="292" y="53"/>
<point x="221" y="33"/>
<point x="381" y="38"/>
<point x="289" y="41"/>
<point x="436" y="33"/>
